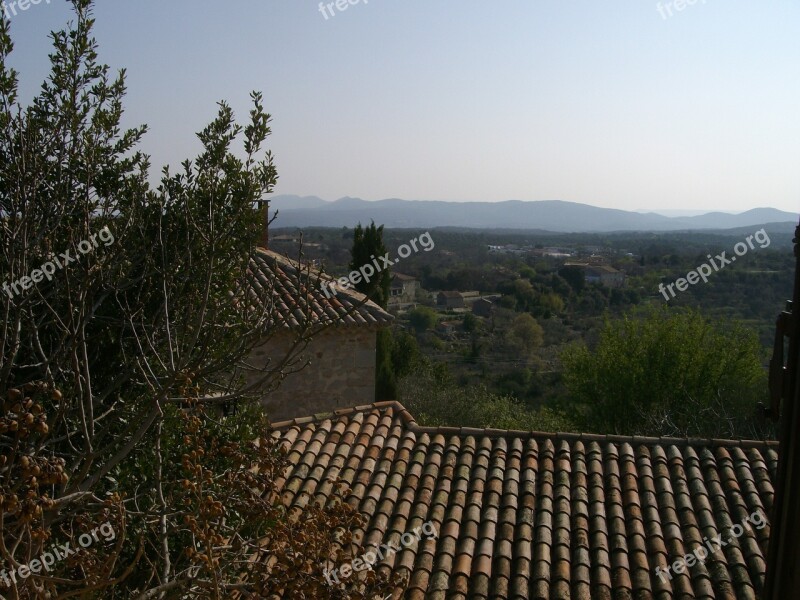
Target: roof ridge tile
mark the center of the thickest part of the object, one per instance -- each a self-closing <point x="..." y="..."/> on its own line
<point x="413" y="426"/>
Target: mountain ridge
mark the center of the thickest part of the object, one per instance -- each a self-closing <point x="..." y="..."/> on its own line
<point x="551" y="215"/>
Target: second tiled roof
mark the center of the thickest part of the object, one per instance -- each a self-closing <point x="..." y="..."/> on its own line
<point x="297" y="297"/>
<point x="532" y="515"/>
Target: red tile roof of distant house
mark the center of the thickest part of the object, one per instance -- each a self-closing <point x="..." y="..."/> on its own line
<point x="402" y="277"/>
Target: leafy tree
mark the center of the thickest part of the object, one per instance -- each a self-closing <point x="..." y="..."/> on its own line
<point x="405" y="353"/>
<point x="594" y="300"/>
<point x="525" y="294"/>
<point x="367" y="247"/>
<point x="422" y="318"/>
<point x="509" y="302"/>
<point x="470" y="322"/>
<point x="112" y="369"/>
<point x="662" y="372"/>
<point x="475" y="348"/>
<point x="515" y="383"/>
<point x="574" y="276"/>
<point x="435" y="400"/>
<point x="526" y="334"/>
<point x="617" y="297"/>
<point x="559" y="285"/>
<point x="385" y="378"/>
<point x="552" y="303"/>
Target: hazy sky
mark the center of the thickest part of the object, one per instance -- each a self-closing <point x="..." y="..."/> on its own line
<point x="608" y="103"/>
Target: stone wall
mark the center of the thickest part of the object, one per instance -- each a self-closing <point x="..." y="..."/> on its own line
<point x="341" y="373"/>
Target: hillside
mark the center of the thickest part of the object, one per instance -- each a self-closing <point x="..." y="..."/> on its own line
<point x="550" y="215"/>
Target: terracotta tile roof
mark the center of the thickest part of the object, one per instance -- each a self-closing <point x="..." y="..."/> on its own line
<point x="401" y="277"/>
<point x="602" y="269"/>
<point x="537" y="515"/>
<point x="298" y="297"/>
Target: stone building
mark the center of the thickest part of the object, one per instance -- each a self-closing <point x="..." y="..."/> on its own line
<point x="403" y="289"/>
<point x="483" y="307"/>
<point x="450" y="299"/>
<point x="596" y="272"/>
<point x="340" y="357"/>
<point x="605" y="275"/>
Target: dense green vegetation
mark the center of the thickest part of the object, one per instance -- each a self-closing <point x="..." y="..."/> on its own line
<point x="530" y="364"/>
<point x="670" y="372"/>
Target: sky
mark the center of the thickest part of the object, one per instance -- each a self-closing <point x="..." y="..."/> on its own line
<point x="630" y="104"/>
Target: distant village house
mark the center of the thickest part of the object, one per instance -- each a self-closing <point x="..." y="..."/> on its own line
<point x="450" y="299"/>
<point x="483" y="307"/>
<point x="403" y="290"/>
<point x="601" y="274"/>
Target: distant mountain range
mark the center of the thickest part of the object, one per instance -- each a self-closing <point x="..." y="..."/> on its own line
<point x="550" y="215"/>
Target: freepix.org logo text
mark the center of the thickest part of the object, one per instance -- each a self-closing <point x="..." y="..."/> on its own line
<point x="10" y="7"/>
<point x="48" y="269"/>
